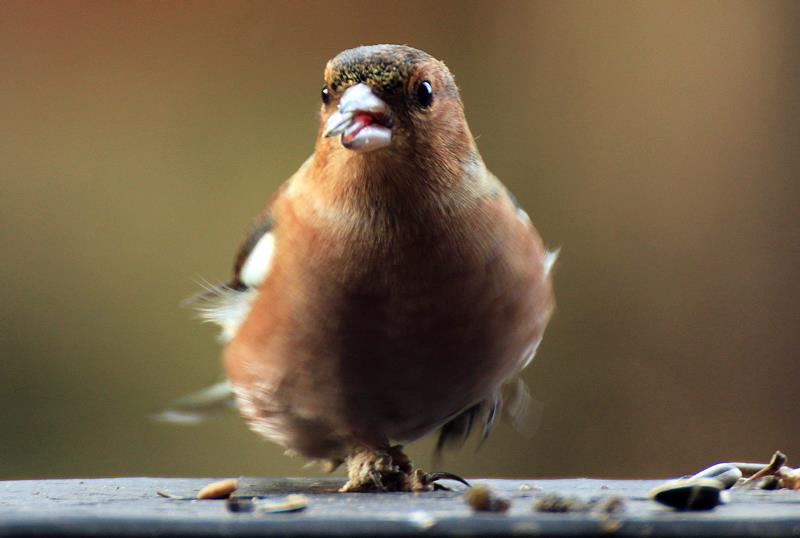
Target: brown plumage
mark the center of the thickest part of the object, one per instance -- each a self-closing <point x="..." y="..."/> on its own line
<point x="391" y="286"/>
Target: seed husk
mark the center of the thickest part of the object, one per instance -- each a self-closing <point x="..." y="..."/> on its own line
<point x="774" y="467"/>
<point x="727" y="473"/>
<point x="770" y="482"/>
<point x="689" y="494"/>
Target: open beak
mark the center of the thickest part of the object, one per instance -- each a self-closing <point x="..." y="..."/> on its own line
<point x="362" y="118"/>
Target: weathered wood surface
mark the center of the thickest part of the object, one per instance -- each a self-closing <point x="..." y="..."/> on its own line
<point x="131" y="507"/>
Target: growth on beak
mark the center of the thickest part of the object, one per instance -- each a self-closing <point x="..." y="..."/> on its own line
<point x="362" y="118"/>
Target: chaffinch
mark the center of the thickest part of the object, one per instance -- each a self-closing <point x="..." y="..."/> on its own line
<point x="390" y="287"/>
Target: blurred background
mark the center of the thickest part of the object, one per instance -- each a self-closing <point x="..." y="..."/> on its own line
<point x="657" y="142"/>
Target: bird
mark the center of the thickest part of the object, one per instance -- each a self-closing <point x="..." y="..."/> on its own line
<point x="390" y="287"/>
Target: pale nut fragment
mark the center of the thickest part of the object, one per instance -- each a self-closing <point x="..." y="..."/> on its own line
<point x="292" y="503"/>
<point x="221" y="489"/>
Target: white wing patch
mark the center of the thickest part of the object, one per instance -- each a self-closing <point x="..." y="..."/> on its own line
<point x="550" y="259"/>
<point x="229" y="307"/>
<point x="255" y="269"/>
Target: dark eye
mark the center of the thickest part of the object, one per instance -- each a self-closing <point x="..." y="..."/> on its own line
<point x="425" y="94"/>
<point x="326" y="95"/>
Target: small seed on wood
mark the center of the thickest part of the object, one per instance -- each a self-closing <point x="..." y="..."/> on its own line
<point x="221" y="489"/>
<point x="481" y="499"/>
<point x="559" y="503"/>
<point x="610" y="504"/>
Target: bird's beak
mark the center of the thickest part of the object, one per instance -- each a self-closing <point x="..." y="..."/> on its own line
<point x="362" y="118"/>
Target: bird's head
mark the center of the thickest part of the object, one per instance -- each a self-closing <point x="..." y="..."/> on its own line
<point x="391" y="99"/>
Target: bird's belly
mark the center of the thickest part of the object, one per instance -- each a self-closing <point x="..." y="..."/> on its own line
<point x="390" y="356"/>
<point x="405" y="373"/>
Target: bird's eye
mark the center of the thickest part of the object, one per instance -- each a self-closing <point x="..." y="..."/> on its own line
<point x="425" y="94"/>
<point x="326" y="95"/>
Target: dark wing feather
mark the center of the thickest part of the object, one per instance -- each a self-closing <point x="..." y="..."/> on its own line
<point x="455" y="432"/>
<point x="515" y="406"/>
<point x="263" y="223"/>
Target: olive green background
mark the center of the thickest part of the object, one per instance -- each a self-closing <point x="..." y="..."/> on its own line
<point x="657" y="142"/>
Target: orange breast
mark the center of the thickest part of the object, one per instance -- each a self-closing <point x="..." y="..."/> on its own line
<point x="364" y="337"/>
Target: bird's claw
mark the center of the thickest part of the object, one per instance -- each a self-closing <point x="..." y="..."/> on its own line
<point x="433" y="478"/>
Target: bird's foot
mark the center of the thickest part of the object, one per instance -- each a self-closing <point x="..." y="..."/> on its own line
<point x="390" y="470"/>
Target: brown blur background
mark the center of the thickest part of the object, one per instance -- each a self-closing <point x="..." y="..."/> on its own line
<point x="657" y="142"/>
